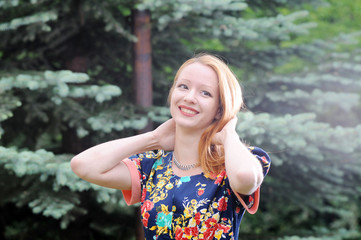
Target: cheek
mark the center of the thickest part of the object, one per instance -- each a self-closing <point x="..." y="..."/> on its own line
<point x="171" y="108"/>
<point x="172" y="105"/>
<point x="212" y="109"/>
<point x="170" y="95"/>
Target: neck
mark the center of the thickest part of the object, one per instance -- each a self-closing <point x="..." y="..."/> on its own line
<point x="186" y="146"/>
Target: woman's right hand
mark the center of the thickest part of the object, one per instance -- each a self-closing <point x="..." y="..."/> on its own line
<point x="165" y="135"/>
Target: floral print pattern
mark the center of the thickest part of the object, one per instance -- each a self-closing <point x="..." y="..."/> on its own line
<point x="192" y="207"/>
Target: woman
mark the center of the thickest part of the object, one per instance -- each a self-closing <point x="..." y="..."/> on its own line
<point x="201" y="178"/>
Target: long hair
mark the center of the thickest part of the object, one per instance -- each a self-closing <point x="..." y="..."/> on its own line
<point x="211" y="156"/>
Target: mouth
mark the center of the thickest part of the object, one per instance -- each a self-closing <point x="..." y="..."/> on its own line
<point x="188" y="111"/>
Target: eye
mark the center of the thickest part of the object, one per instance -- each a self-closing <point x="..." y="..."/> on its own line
<point x="206" y="93"/>
<point x="182" y="86"/>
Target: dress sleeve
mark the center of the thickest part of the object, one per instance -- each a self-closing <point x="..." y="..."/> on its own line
<point x="251" y="202"/>
<point x="133" y="195"/>
<point x="139" y="165"/>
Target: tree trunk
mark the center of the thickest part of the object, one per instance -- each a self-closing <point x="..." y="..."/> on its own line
<point x="142" y="70"/>
<point x="142" y="65"/>
<point x="70" y="140"/>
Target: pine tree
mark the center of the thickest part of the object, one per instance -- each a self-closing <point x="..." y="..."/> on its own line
<point x="59" y="93"/>
<point x="65" y="85"/>
<point x="298" y="117"/>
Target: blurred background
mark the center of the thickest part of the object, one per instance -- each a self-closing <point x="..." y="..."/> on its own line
<point x="75" y="73"/>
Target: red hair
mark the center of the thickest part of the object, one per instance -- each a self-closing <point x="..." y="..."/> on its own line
<point x="211" y="156"/>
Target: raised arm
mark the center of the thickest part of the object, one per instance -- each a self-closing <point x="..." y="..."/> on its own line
<point x="243" y="169"/>
<point x="102" y="164"/>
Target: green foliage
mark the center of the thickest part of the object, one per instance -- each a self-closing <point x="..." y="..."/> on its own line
<point x="340" y="235"/>
<point x="28" y="20"/>
<point x="312" y="129"/>
<point x="47" y="185"/>
<point x="65" y="85"/>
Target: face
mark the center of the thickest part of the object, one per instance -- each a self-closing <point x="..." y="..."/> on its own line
<point x="194" y="102"/>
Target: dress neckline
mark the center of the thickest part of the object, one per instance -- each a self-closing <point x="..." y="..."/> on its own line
<point x="170" y="164"/>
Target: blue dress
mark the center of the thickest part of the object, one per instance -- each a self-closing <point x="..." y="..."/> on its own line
<point x="192" y="207"/>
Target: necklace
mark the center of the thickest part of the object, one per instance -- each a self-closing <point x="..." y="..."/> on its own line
<point x="181" y="166"/>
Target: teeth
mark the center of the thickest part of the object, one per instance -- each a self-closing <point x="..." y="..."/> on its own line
<point x="188" y="111"/>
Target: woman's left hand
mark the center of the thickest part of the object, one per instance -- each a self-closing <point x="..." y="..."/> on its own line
<point x="229" y="128"/>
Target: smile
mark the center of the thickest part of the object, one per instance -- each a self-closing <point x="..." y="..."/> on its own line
<point x="188" y="111"/>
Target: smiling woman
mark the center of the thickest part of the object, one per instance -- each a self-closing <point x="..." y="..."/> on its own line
<point x="194" y="101"/>
<point x="201" y="178"/>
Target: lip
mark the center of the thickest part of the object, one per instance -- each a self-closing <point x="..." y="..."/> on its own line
<point x="190" y="112"/>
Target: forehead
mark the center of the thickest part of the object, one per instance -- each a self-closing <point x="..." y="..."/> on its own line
<point x="200" y="73"/>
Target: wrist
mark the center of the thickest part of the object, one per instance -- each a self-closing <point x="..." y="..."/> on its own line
<point x="151" y="140"/>
<point x="230" y="136"/>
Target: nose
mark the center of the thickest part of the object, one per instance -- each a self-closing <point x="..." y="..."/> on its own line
<point x="190" y="97"/>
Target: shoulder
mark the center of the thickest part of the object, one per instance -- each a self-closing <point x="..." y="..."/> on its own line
<point x="259" y="151"/>
<point x="262" y="157"/>
<point x="156" y="154"/>
<point x="150" y="159"/>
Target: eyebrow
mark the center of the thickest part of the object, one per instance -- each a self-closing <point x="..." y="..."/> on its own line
<point x="202" y="85"/>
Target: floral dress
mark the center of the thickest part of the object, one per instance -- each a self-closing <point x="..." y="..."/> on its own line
<point x="192" y="207"/>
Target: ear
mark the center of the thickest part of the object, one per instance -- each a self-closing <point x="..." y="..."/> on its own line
<point x="219" y="113"/>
